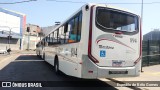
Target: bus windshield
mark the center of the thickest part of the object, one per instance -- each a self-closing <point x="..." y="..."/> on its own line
<point x="116" y="20"/>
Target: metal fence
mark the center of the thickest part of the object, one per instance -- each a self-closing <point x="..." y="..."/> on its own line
<point x="150" y="52"/>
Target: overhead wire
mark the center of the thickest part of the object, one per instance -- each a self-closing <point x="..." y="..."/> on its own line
<point x="103" y="3"/>
<point x="69" y="1"/>
<point x="66" y="1"/>
<point x="18" y="2"/>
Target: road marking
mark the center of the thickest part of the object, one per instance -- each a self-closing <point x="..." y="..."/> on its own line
<point x="28" y="53"/>
<point x="28" y="60"/>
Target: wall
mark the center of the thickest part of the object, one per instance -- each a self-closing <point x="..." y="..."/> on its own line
<point x="14" y="44"/>
<point x="12" y="23"/>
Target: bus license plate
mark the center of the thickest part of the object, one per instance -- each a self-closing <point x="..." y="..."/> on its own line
<point x="118" y="72"/>
<point x="117" y="63"/>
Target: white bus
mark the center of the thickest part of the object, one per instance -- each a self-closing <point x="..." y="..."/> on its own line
<point x="98" y="41"/>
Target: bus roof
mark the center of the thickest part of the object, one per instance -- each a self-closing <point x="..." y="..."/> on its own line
<point x="90" y="4"/>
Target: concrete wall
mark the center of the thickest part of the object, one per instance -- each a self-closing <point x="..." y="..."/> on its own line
<point x="33" y="37"/>
<point x="14" y="44"/>
<point x="32" y="42"/>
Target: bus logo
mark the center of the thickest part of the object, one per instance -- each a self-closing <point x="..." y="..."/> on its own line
<point x="6" y="84"/>
<point x="102" y="53"/>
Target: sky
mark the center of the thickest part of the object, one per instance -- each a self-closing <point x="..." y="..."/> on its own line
<point x="47" y="12"/>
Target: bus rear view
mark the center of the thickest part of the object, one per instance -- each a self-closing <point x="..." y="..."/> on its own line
<point x="114" y="43"/>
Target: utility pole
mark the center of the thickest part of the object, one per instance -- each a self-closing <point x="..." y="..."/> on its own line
<point x="9" y="37"/>
<point x="142" y="13"/>
<point x="28" y="30"/>
<point x="141" y="27"/>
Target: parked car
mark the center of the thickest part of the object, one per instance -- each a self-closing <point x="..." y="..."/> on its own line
<point x="3" y="51"/>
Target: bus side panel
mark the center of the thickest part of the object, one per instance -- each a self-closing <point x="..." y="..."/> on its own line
<point x="49" y="55"/>
<point x="69" y="57"/>
<point x="85" y="30"/>
<point x="138" y="68"/>
<point x="89" y="69"/>
<point x="86" y="63"/>
<point x="46" y="55"/>
<point x="68" y="67"/>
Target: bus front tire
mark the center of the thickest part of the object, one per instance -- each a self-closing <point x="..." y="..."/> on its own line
<point x="43" y="56"/>
<point x="56" y="67"/>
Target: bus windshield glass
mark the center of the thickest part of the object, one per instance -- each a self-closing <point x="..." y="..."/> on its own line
<point x="116" y="20"/>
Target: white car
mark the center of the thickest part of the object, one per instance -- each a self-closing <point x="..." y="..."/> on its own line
<point x="3" y="51"/>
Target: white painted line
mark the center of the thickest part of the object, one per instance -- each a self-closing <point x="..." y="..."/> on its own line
<point x="28" y="54"/>
<point x="28" y="60"/>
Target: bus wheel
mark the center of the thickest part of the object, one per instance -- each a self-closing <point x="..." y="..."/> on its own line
<point x="38" y="54"/>
<point x="56" y="66"/>
<point x="43" y="56"/>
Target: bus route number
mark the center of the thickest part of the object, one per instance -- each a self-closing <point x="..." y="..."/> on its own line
<point x="73" y="52"/>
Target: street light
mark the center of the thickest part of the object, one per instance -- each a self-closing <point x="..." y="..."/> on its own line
<point x="28" y="30"/>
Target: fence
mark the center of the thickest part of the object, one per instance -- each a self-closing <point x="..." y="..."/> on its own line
<point x="150" y="52"/>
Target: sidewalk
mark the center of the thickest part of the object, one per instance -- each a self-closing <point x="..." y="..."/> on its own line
<point x="7" y="56"/>
<point x="15" y="52"/>
<point x="5" y="59"/>
<point x="150" y="73"/>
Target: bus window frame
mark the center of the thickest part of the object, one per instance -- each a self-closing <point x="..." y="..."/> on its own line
<point x="114" y="30"/>
<point x="66" y="29"/>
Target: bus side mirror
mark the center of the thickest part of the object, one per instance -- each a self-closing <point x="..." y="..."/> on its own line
<point x="46" y="44"/>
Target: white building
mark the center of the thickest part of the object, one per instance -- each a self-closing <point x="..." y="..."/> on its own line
<point x="11" y="24"/>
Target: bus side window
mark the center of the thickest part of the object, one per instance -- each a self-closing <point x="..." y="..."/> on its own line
<point x="57" y="35"/>
<point x="67" y="32"/>
<point x="43" y="42"/>
<point x="79" y="27"/>
<point x="62" y="35"/>
<point x="52" y="37"/>
<point x="75" y="28"/>
<point x="48" y="39"/>
<point x="65" y="27"/>
<point x="72" y="33"/>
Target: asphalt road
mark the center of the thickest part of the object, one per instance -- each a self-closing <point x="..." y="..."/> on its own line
<point x="31" y="68"/>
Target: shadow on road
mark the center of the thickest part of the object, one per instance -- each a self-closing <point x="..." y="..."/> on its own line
<point x="20" y="70"/>
<point x="28" y="57"/>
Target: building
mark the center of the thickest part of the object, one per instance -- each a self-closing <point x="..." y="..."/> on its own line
<point x="12" y="25"/>
<point x="153" y="35"/>
<point x="46" y="30"/>
<point x="32" y="37"/>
